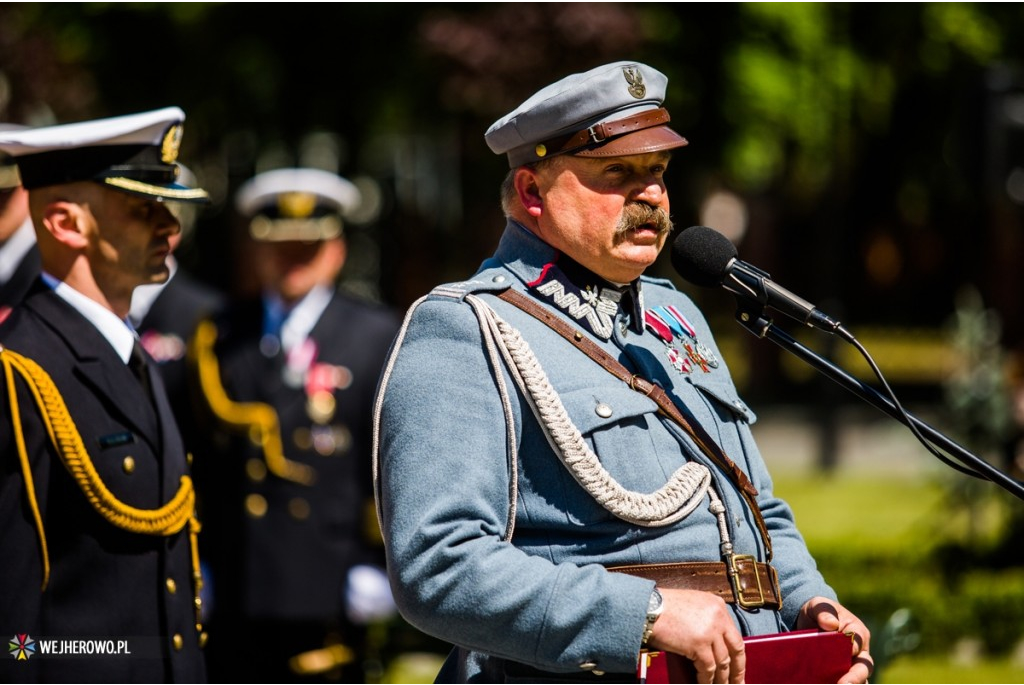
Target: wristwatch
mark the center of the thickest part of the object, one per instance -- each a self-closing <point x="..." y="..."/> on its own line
<point x="654" y="608"/>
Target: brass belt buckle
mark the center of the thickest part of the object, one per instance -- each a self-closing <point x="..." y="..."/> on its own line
<point x="734" y="578"/>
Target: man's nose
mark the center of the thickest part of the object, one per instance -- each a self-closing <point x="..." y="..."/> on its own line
<point x="651" y="191"/>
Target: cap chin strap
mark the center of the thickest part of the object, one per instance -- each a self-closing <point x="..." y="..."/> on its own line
<point x="601" y="133"/>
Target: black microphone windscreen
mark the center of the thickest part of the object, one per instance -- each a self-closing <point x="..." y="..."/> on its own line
<point x="701" y="255"/>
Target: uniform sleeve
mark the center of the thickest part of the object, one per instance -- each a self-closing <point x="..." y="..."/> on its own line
<point x="444" y="496"/>
<point x="22" y="569"/>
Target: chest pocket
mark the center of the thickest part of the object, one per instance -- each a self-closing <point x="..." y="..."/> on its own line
<point x="624" y="430"/>
<point x="722" y="399"/>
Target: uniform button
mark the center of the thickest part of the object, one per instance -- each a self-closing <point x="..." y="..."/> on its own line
<point x="128" y="465"/>
<point x="188" y="458"/>
<point x="603" y="410"/>
<point x="498" y="279"/>
<point x="256" y="470"/>
<point x="298" y="508"/>
<point x="256" y="506"/>
<point x="172" y="587"/>
<point x="203" y="637"/>
<point x="738" y="405"/>
<point x="588" y="665"/>
<point x="178" y="641"/>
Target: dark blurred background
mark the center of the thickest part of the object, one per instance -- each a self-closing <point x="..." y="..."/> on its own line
<point x="869" y="156"/>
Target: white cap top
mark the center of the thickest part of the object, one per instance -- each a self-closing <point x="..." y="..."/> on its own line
<point x="146" y="128"/>
<point x="135" y="153"/>
<point x="296" y="204"/>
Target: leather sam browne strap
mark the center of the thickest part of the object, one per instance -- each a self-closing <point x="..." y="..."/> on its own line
<point x="700" y="436"/>
<point x="749" y="583"/>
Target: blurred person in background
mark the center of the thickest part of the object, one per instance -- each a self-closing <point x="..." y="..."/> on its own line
<point x="288" y="379"/>
<point x="19" y="256"/>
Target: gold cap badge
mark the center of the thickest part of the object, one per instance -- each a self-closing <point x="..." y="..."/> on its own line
<point x="296" y="205"/>
<point x="171" y="144"/>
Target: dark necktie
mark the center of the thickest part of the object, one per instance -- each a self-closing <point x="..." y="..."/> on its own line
<point x="138" y="365"/>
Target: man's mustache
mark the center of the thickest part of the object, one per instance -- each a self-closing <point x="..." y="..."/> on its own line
<point x="638" y="214"/>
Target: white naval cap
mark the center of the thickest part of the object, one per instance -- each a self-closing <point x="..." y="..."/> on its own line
<point x="296" y="204"/>
<point x="611" y="111"/>
<point x="136" y="154"/>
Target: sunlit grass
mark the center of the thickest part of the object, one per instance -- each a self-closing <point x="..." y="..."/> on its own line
<point x="882" y="514"/>
<point x="936" y="669"/>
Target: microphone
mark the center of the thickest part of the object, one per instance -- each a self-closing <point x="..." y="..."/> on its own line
<point x="707" y="258"/>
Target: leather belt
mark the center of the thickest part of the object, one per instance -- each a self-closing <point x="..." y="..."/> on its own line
<point x="742" y="580"/>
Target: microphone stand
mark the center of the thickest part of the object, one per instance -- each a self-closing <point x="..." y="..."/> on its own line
<point x="751" y="316"/>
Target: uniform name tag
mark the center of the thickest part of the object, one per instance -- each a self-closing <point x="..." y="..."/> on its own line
<point x="116" y="439"/>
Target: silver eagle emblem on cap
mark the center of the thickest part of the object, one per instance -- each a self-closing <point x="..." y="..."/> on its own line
<point x="636" y="82"/>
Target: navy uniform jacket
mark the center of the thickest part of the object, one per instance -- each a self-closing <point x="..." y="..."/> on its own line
<point x="104" y="582"/>
<point x="21" y="280"/>
<point x="492" y="544"/>
<point x="280" y="550"/>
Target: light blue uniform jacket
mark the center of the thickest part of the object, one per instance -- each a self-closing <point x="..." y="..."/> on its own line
<point x="445" y="485"/>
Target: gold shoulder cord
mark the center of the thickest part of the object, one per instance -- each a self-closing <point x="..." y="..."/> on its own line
<point x="258" y="419"/>
<point x="165" y="521"/>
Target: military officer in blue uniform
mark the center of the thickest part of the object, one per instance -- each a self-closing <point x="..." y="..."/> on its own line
<point x="19" y="257"/>
<point x="288" y="379"/>
<point x="99" y="526"/>
<point x="566" y="474"/>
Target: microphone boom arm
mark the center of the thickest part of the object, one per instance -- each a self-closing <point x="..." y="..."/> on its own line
<point x="746" y="281"/>
<point x="753" y="319"/>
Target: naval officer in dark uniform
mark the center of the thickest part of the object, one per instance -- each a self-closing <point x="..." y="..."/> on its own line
<point x="99" y="530"/>
<point x="289" y="378"/>
<point x="19" y="256"/>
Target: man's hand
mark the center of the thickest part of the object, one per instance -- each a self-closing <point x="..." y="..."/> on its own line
<point x="825" y="614"/>
<point x="698" y="626"/>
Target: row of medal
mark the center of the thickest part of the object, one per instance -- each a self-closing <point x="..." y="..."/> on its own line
<point x="670" y="326"/>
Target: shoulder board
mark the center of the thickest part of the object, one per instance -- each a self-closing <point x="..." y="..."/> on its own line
<point x="494" y="280"/>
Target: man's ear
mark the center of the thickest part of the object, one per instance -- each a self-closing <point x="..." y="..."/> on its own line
<point x="66" y="222"/>
<point x="527" y="188"/>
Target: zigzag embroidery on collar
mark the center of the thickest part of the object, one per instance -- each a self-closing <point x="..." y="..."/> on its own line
<point x="596" y="311"/>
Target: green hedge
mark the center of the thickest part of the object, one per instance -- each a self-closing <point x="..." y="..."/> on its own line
<point x="977" y="603"/>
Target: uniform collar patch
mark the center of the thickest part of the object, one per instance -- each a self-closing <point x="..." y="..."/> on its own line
<point x="586" y="297"/>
